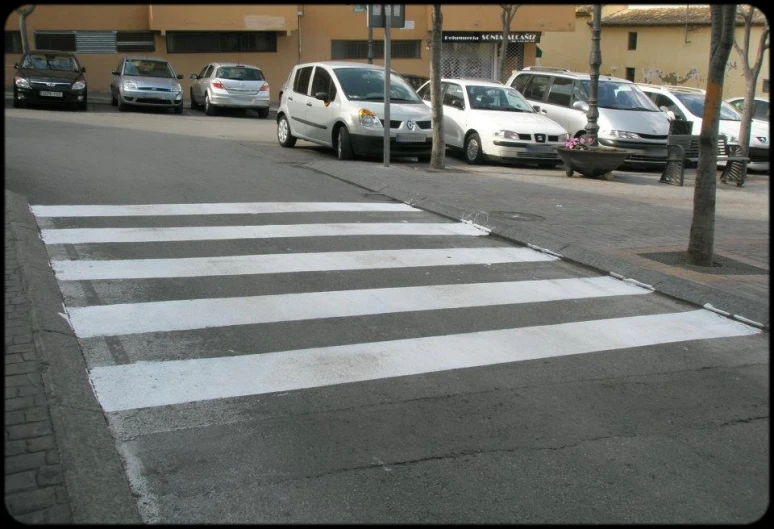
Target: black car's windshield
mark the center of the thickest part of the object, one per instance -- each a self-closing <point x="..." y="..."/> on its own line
<point x="145" y="68"/>
<point x="483" y="97"/>
<point x="367" y="84"/>
<point x="239" y="73"/>
<point x="621" y="96"/>
<point x="694" y="102"/>
<point x="48" y="61"/>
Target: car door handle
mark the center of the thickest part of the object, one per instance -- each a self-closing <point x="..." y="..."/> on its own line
<point x="309" y="103"/>
<point x="290" y="98"/>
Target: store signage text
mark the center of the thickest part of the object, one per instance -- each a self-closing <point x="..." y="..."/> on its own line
<point x="490" y="36"/>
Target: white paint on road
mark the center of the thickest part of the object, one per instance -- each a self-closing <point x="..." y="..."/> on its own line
<point x="163" y="316"/>
<point x="146" y="384"/>
<point x="202" y="233"/>
<point x="224" y="208"/>
<point x="286" y="263"/>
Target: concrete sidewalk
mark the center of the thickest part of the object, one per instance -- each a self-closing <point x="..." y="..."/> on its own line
<point x="633" y="226"/>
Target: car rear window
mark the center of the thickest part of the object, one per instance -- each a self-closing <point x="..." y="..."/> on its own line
<point x="239" y="73"/>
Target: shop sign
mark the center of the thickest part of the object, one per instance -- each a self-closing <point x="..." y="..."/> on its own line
<point x="490" y="36"/>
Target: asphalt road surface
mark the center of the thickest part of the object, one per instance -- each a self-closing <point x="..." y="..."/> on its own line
<point x="273" y="345"/>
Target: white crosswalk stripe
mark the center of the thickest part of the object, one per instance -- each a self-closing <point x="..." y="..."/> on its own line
<point x="200" y="376"/>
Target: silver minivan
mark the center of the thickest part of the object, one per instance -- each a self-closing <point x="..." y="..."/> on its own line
<point x="628" y="119"/>
<point x="340" y="105"/>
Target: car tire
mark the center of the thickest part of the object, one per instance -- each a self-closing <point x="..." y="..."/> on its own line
<point x="262" y="112"/>
<point x="284" y="136"/>
<point x="425" y="158"/>
<point x="16" y="102"/>
<point x="344" y="145"/>
<point x="122" y="107"/>
<point x="179" y="109"/>
<point x="209" y="108"/>
<point x="83" y="106"/>
<point x="113" y="100"/>
<point x="474" y="154"/>
<point x="194" y="104"/>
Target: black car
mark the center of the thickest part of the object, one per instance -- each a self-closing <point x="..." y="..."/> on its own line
<point x="49" y="77"/>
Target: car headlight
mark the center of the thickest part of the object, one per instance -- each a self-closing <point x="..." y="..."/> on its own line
<point x="763" y="139"/>
<point x="177" y="88"/>
<point x="564" y="137"/>
<point x="130" y="85"/>
<point x="21" y="82"/>
<point x="79" y="85"/>
<point x="506" y="134"/>
<point x="620" y="134"/>
<point x="368" y="118"/>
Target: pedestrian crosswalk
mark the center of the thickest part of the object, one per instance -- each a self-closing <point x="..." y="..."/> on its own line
<point x="473" y="299"/>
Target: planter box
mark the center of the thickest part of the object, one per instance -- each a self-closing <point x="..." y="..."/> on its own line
<point x="594" y="161"/>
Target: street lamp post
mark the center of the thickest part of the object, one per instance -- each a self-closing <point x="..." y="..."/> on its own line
<point x="595" y="60"/>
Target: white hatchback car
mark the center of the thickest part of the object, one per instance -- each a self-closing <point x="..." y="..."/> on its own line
<point x="340" y="104"/>
<point x="230" y="85"/>
<point x="687" y="104"/>
<point x="488" y="120"/>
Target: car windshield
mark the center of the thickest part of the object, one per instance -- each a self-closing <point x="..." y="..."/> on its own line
<point x="367" y="84"/>
<point x="239" y="73"/>
<point x="41" y="61"/>
<point x="145" y="68"/>
<point x="694" y="102"/>
<point x="483" y="97"/>
<point x="616" y="95"/>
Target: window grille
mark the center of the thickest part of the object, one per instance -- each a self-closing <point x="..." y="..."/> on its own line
<point x="131" y="41"/>
<point x="358" y="49"/>
<point x="95" y="41"/>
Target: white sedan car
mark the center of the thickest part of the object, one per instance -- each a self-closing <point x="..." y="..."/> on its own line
<point x="230" y="85"/>
<point x="489" y="120"/>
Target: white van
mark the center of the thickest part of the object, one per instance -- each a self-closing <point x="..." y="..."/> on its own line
<point x="627" y="118"/>
<point x="340" y="105"/>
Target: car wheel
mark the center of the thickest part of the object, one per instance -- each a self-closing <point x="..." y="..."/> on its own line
<point x="344" y="145"/>
<point x="179" y="110"/>
<point x="84" y="105"/>
<point x="209" y="108"/>
<point x="424" y="158"/>
<point x="284" y="136"/>
<point x="194" y="105"/>
<point x="263" y="112"/>
<point x="122" y="107"/>
<point x="113" y="100"/>
<point x="474" y="154"/>
<point x="16" y="102"/>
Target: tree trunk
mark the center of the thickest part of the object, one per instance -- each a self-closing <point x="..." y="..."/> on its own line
<point x="750" y="74"/>
<point x="23" y="12"/>
<point x="438" y="156"/>
<point x="702" y="236"/>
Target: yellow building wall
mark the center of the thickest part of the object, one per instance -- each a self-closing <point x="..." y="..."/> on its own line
<point x="662" y="56"/>
<point x="300" y="38"/>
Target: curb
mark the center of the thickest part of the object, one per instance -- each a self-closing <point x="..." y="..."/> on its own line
<point x="102" y="99"/>
<point x="744" y="309"/>
<point x="96" y="483"/>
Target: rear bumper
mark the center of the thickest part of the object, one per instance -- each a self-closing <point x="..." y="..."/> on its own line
<point x="233" y="101"/>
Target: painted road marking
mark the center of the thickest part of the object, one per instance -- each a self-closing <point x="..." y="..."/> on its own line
<point x="114" y="235"/>
<point x="287" y="263"/>
<point x="225" y="208"/>
<point x="179" y="315"/>
<point x="146" y="384"/>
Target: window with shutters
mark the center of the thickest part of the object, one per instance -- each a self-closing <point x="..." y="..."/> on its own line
<point x="221" y="41"/>
<point x="132" y="41"/>
<point x="358" y="49"/>
<point x="55" y="40"/>
<point x="13" y="43"/>
<point x="95" y="41"/>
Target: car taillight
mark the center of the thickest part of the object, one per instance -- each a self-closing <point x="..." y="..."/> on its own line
<point x="264" y="87"/>
<point x="217" y="84"/>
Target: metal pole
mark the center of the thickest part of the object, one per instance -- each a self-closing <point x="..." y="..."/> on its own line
<point x="387" y="70"/>
<point x="370" y="45"/>
<point x="595" y="60"/>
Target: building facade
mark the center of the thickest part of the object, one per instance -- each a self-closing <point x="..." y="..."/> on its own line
<point x="659" y="45"/>
<point x="276" y="37"/>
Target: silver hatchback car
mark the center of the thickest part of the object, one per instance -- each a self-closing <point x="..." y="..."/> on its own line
<point x="230" y="85"/>
<point x="146" y="82"/>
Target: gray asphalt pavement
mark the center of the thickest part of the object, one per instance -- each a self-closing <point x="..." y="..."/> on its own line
<point x="61" y="463"/>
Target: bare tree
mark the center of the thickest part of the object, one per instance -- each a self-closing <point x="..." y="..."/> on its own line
<point x="23" y="13"/>
<point x="507" y="13"/>
<point x="438" y="155"/>
<point x="750" y="72"/>
<point x="702" y="236"/>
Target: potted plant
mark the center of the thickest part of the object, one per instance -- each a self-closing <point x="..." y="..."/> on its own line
<point x="579" y="154"/>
